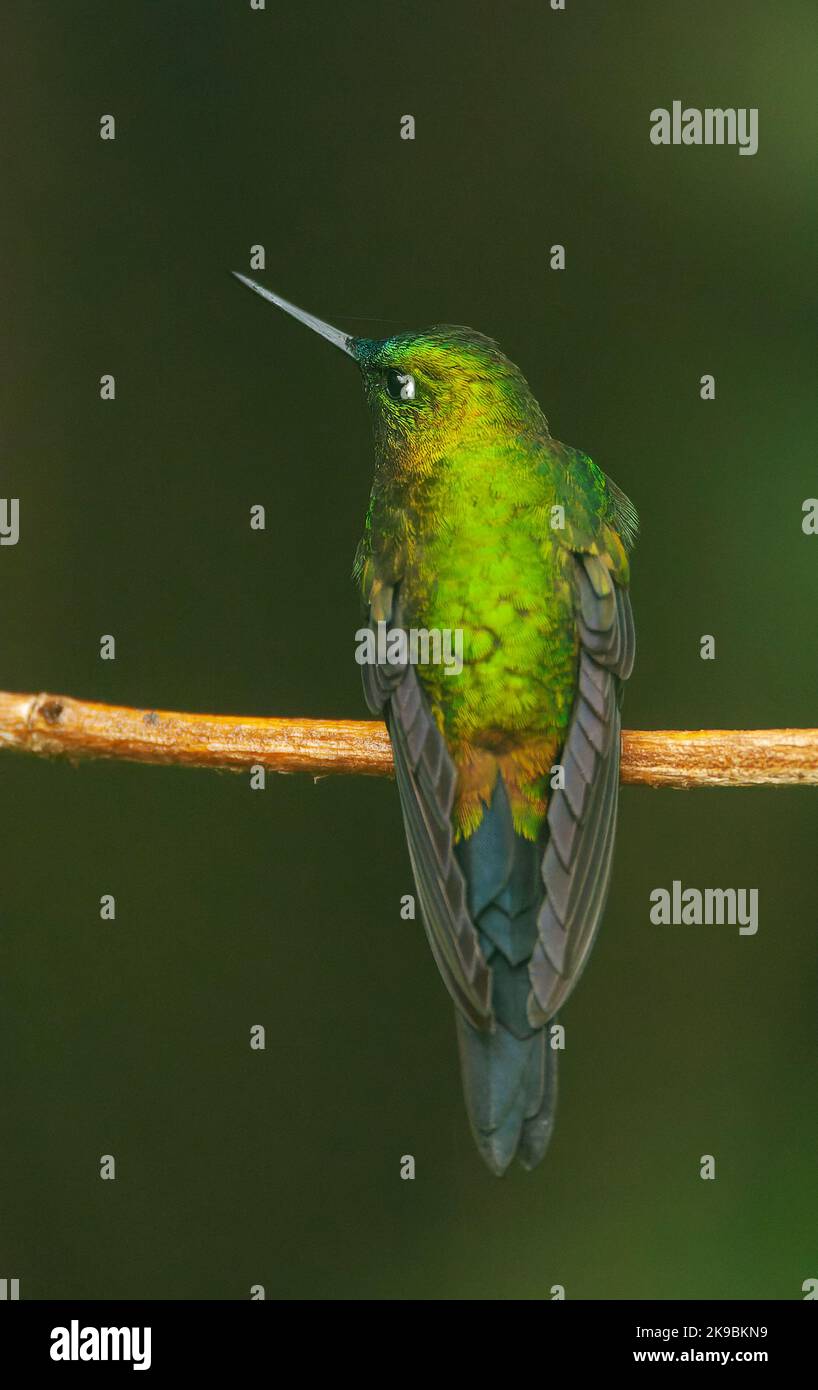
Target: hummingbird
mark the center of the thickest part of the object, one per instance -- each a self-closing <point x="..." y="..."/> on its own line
<point x="480" y="522"/>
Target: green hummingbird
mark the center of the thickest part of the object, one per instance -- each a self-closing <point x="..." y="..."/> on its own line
<point x="481" y="523"/>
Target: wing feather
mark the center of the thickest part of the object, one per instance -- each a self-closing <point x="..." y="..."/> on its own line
<point x="582" y="814"/>
<point x="426" y="778"/>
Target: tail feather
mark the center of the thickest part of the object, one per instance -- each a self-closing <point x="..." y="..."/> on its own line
<point x="539" y="1127"/>
<point x="510" y="1086"/>
<point x="509" y="1073"/>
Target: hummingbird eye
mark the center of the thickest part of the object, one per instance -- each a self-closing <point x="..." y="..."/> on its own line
<point x="400" y="385"/>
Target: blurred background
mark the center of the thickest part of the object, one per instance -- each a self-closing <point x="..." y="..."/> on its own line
<point x="281" y="907"/>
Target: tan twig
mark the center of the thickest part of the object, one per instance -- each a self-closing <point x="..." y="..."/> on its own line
<point x="52" y="725"/>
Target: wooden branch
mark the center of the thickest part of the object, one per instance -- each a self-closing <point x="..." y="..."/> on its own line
<point x="52" y="725"/>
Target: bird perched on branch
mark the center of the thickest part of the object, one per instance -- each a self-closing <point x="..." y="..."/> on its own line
<point x="508" y="772"/>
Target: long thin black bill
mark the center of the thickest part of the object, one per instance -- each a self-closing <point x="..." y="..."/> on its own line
<point x="333" y="335"/>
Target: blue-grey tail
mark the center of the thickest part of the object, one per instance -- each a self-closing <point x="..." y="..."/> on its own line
<point x="510" y="1073"/>
<point x="510" y="1086"/>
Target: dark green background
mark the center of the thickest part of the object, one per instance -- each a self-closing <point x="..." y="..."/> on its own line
<point x="282" y="907"/>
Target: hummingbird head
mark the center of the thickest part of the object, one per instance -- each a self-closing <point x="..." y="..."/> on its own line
<point x="431" y="391"/>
